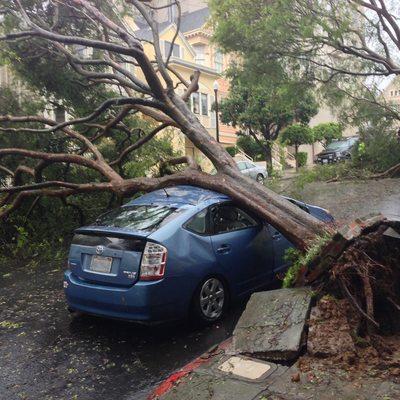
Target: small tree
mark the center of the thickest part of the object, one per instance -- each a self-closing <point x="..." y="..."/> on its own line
<point x="297" y="135"/>
<point x="265" y="98"/>
<point x="327" y="132"/>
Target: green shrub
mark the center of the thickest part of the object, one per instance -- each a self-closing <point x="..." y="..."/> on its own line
<point x="327" y="172"/>
<point x="232" y="150"/>
<point x="250" y="147"/>
<point x="377" y="150"/>
<point x="301" y="158"/>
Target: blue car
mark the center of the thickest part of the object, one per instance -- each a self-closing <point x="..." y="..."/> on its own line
<point x="173" y="252"/>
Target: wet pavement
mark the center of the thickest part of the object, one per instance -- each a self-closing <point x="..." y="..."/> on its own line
<point x="45" y="353"/>
<point x="348" y="200"/>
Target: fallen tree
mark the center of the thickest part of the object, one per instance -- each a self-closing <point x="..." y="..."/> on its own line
<point x="151" y="91"/>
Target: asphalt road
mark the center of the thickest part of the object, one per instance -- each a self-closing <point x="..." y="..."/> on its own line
<point x="46" y="354"/>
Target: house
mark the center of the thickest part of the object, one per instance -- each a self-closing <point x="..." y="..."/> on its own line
<point x="192" y="50"/>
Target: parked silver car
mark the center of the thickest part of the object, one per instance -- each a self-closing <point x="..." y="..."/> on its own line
<point x="252" y="170"/>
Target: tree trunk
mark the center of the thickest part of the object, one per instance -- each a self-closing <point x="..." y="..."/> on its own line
<point x="296" y="152"/>
<point x="267" y="149"/>
<point x="268" y="157"/>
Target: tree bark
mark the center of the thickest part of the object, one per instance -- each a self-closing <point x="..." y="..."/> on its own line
<point x="267" y="149"/>
<point x="268" y="158"/>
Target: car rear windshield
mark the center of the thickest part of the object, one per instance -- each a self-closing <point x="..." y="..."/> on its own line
<point x="338" y="145"/>
<point x="146" y="218"/>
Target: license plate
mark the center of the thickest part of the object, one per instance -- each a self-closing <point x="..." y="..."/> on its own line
<point x="324" y="161"/>
<point x="101" y="264"/>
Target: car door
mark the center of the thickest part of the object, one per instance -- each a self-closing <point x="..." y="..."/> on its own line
<point x="242" y="246"/>
<point x="251" y="170"/>
<point x="280" y="245"/>
<point x="242" y="167"/>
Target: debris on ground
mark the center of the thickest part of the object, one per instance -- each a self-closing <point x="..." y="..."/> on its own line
<point x="329" y="332"/>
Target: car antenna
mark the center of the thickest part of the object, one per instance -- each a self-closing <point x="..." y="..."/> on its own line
<point x="165" y="190"/>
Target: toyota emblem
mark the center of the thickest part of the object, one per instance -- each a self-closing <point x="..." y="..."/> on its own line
<point x="99" y="250"/>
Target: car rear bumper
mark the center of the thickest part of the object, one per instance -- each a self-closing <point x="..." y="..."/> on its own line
<point x="144" y="301"/>
<point x="330" y="160"/>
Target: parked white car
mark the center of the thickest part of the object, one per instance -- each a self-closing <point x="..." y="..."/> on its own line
<point x="252" y="170"/>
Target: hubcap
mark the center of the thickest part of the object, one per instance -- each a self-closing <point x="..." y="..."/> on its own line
<point x="212" y="298"/>
<point x="260" y="179"/>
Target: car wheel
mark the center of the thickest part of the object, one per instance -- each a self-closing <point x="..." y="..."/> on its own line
<point x="210" y="301"/>
<point x="260" y="178"/>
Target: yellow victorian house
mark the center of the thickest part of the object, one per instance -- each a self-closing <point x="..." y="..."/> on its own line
<point x="193" y="50"/>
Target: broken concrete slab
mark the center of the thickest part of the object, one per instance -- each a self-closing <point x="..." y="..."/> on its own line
<point x="272" y="325"/>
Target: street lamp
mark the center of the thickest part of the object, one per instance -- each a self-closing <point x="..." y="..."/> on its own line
<point x="216" y="87"/>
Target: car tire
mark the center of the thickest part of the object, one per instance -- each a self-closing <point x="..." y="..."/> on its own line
<point x="260" y="178"/>
<point x="210" y="301"/>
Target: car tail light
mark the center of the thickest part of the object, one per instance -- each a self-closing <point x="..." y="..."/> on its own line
<point x="153" y="263"/>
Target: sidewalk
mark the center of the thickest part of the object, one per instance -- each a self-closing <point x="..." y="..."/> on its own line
<point x="208" y="382"/>
<point x="272" y="327"/>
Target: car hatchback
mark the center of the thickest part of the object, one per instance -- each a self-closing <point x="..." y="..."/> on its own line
<point x="171" y="252"/>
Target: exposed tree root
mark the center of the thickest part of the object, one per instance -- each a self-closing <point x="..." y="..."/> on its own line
<point x="366" y="275"/>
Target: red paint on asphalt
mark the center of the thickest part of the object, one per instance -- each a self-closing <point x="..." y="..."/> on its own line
<point x="165" y="386"/>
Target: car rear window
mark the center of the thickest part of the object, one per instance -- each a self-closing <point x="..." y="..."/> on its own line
<point x="146" y="218"/>
<point x="342" y="144"/>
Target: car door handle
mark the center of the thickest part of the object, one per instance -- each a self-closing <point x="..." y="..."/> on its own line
<point x="224" y="249"/>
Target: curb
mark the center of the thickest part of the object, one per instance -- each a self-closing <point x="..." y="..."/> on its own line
<point x="172" y="380"/>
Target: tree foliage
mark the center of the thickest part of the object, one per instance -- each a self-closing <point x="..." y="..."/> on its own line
<point x="327" y="132"/>
<point x="338" y="43"/>
<point x="248" y="144"/>
<point x="265" y="98"/>
<point x="296" y="135"/>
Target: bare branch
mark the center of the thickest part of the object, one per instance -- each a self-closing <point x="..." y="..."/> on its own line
<point x="138" y="144"/>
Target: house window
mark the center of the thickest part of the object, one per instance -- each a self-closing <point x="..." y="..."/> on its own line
<point x="176" y="50"/>
<point x="195" y="103"/>
<point x="200" y="54"/>
<point x="218" y="60"/>
<point x="199" y="103"/>
<point x="391" y="93"/>
<point x="204" y="104"/>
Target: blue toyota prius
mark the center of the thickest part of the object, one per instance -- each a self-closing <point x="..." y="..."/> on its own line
<point x="172" y="252"/>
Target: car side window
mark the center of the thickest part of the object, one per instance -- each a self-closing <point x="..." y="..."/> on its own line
<point x="228" y="218"/>
<point x="249" y="165"/>
<point x="241" y="166"/>
<point x="198" y="223"/>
